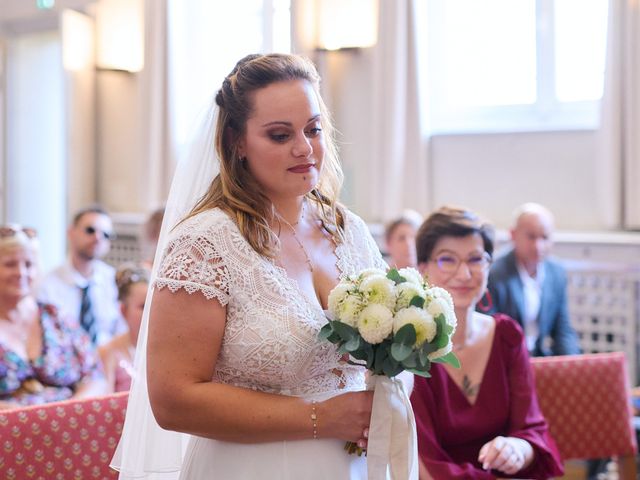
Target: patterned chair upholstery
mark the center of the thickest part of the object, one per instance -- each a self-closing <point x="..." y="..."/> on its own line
<point x="71" y="440"/>
<point x="586" y="401"/>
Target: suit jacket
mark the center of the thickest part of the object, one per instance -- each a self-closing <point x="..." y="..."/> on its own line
<point x="506" y="291"/>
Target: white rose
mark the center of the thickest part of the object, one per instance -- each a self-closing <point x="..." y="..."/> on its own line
<point x="421" y="320"/>
<point x="375" y="323"/>
<point x="405" y="293"/>
<point x="411" y="275"/>
<point x="379" y="289"/>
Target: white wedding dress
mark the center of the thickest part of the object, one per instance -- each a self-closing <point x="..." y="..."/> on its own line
<point x="270" y="344"/>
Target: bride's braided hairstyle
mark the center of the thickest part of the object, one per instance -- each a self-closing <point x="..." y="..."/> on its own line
<point x="234" y="190"/>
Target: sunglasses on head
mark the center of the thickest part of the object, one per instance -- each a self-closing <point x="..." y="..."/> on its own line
<point x="9" y="231"/>
<point x="93" y="230"/>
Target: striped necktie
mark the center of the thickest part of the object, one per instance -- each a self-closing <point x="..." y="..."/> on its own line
<point x="87" y="319"/>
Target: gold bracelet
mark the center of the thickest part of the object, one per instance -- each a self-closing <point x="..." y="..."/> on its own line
<point x="314" y="419"/>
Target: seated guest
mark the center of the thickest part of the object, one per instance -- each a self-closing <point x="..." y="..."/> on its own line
<point x="480" y="421"/>
<point x="532" y="288"/>
<point x="84" y="287"/>
<point x="400" y="238"/>
<point x="43" y="357"/>
<point x="117" y="355"/>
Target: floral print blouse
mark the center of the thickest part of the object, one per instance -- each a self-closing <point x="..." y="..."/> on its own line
<point x="68" y="357"/>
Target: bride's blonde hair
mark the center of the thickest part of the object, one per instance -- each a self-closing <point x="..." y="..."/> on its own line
<point x="234" y="190"/>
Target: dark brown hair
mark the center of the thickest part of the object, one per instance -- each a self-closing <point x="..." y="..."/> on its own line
<point x="451" y="222"/>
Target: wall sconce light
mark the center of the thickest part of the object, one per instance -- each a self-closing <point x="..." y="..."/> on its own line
<point x="77" y="41"/>
<point x="120" y="35"/>
<point x="346" y="24"/>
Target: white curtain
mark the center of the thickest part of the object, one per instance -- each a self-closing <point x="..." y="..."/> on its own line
<point x="399" y="165"/>
<point x="620" y="141"/>
<point x="158" y="141"/>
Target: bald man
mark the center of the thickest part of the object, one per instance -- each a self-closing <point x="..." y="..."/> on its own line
<point x="531" y="288"/>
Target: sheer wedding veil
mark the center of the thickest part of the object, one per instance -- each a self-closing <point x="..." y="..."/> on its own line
<point x="146" y="450"/>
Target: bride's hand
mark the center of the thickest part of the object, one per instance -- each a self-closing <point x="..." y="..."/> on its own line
<point x="346" y="417"/>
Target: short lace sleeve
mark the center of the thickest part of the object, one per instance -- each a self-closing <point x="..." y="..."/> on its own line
<point x="192" y="260"/>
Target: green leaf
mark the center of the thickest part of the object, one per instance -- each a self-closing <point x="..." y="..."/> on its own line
<point x="442" y="338"/>
<point x="346" y="332"/>
<point x="411" y="361"/>
<point x="325" y="331"/>
<point x="380" y="357"/>
<point x="353" y="344"/>
<point x="406" y="335"/>
<point x="368" y="349"/>
<point x="422" y="373"/>
<point x="417" y="301"/>
<point x="395" y="276"/>
<point x="450" y="358"/>
<point x="400" y="352"/>
<point x="390" y="367"/>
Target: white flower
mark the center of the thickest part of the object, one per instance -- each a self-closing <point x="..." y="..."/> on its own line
<point x="370" y="271"/>
<point x="375" y="323"/>
<point x="337" y="296"/>
<point x="344" y="303"/>
<point x="437" y="292"/>
<point x="439" y="306"/>
<point x="411" y="275"/>
<point x="421" y="320"/>
<point x="405" y="293"/>
<point x="379" y="289"/>
<point x="350" y="309"/>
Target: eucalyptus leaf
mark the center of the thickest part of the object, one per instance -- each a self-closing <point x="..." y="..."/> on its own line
<point x="380" y="357"/>
<point x="325" y="331"/>
<point x="390" y="367"/>
<point x="422" y="373"/>
<point x="368" y="349"/>
<point x="450" y="358"/>
<point x="346" y="332"/>
<point x="417" y="301"/>
<point x="400" y="352"/>
<point x="411" y="361"/>
<point x="406" y="335"/>
<point x="353" y="344"/>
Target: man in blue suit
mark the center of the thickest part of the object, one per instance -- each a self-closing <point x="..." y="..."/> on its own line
<point x="532" y="288"/>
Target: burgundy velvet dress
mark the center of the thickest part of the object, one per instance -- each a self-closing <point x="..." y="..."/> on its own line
<point x="451" y="430"/>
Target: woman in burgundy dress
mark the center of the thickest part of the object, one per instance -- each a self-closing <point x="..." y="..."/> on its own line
<point x="481" y="421"/>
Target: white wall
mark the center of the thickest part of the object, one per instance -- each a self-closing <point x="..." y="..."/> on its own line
<point x="490" y="173"/>
<point x="36" y="167"/>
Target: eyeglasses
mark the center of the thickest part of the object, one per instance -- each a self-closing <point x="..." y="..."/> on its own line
<point x="93" y="230"/>
<point x="449" y="263"/>
<point x="11" y="231"/>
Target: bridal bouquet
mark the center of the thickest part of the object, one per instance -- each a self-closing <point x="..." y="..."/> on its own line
<point x="390" y="322"/>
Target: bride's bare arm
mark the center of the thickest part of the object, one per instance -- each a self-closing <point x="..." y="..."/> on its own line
<point x="185" y="334"/>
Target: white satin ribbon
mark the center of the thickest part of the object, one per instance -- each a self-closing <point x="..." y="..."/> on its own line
<point x="392" y="451"/>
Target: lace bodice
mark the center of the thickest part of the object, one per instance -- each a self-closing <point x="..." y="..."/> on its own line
<point x="271" y="334"/>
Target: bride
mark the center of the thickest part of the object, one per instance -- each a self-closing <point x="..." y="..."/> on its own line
<point x="232" y="351"/>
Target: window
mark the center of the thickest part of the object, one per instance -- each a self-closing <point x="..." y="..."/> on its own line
<point x="510" y="65"/>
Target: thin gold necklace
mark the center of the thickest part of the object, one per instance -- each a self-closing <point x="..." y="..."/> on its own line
<point x="295" y="236"/>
